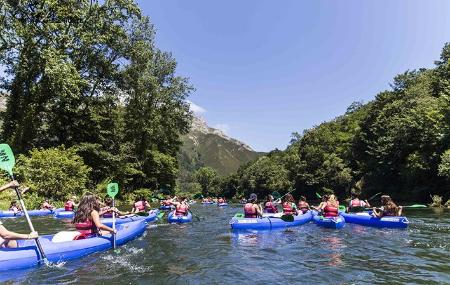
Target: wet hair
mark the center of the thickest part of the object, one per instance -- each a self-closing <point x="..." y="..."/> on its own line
<point x="289" y="198"/>
<point x="140" y="198"/>
<point x="389" y="205"/>
<point x="87" y="204"/>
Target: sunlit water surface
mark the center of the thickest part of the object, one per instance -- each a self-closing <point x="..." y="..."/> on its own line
<point x="208" y="252"/>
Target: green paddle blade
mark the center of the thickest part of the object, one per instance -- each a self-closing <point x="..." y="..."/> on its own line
<point x="342" y="208"/>
<point x="415" y="206"/>
<point x="160" y="215"/>
<point x="7" y="160"/>
<point x="287" y="218"/>
<point x="276" y="195"/>
<point x="318" y="195"/>
<point x="112" y="189"/>
<point x="142" y="214"/>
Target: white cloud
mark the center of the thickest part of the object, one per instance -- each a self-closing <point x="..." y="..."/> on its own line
<point x="196" y="108"/>
<point x="225" y="128"/>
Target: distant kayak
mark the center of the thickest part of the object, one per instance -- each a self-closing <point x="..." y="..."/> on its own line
<point x="171" y="218"/>
<point x="366" y="219"/>
<point x="26" y="255"/>
<point x="331" y="223"/>
<point x="152" y="215"/>
<point x="64" y="215"/>
<point x="31" y="213"/>
<point x="222" y="204"/>
<point x="208" y="203"/>
<point x="268" y="222"/>
<point x="165" y="208"/>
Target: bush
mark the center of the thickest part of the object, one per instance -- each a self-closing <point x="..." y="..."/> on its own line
<point x="54" y="173"/>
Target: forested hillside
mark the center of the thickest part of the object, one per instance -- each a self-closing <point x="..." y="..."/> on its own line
<point x="399" y="144"/>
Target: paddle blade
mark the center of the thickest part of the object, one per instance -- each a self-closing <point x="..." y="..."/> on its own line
<point x="287" y="218"/>
<point x="318" y="195"/>
<point x="112" y="189"/>
<point x="160" y="215"/>
<point x="276" y="195"/>
<point x="7" y="160"/>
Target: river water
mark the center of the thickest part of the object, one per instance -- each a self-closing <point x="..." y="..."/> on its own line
<point x="206" y="251"/>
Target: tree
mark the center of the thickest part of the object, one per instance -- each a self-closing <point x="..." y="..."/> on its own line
<point x="208" y="179"/>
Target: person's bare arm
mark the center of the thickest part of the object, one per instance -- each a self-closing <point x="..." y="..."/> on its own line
<point x="9" y="185"/>
<point x="96" y="219"/>
<point x="5" y="234"/>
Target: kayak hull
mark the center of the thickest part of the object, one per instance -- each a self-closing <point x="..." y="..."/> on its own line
<point x="165" y="208"/>
<point x="208" y="203"/>
<point x="151" y="217"/>
<point x="366" y="219"/>
<point x="64" y="215"/>
<point x="26" y="255"/>
<point x="268" y="222"/>
<point x="330" y="223"/>
<point x="171" y="218"/>
<point x="222" y="204"/>
<point x="31" y="213"/>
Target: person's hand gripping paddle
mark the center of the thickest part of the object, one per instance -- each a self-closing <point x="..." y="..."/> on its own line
<point x="112" y="189"/>
<point x="7" y="162"/>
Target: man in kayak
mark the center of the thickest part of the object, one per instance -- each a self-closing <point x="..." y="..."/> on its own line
<point x="303" y="205"/>
<point x="8" y="238"/>
<point x="140" y="205"/>
<point x="330" y="208"/>
<point x="87" y="218"/>
<point x="270" y="206"/>
<point x="251" y="208"/>
<point x="388" y="208"/>
<point x="289" y="206"/>
<point x="182" y="207"/>
<point x="70" y="205"/>
<point x="47" y="206"/>
<point x="357" y="205"/>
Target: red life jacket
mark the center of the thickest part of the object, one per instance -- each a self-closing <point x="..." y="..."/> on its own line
<point x="86" y="228"/>
<point x="330" y="211"/>
<point x="302" y="205"/>
<point x="287" y="208"/>
<point x="269" y="207"/>
<point x="249" y="211"/>
<point x="68" y="206"/>
<point x="140" y="205"/>
<point x="182" y="210"/>
<point x="356" y="203"/>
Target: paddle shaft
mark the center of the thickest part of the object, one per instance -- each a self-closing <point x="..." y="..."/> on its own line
<point x="287" y="193"/>
<point x="30" y="224"/>
<point x="114" y="224"/>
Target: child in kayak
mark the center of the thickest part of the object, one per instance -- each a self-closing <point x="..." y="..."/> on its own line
<point x="388" y="208"/>
<point x="303" y="205"/>
<point x="289" y="207"/>
<point x="140" y="205"/>
<point x="87" y="218"/>
<point x="9" y="239"/>
<point x="270" y="206"/>
<point x="251" y="208"/>
<point x="330" y="208"/>
<point x="47" y="206"/>
<point x="357" y="205"/>
<point x="182" y="207"/>
<point x="70" y="205"/>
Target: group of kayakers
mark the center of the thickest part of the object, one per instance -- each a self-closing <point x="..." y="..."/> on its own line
<point x="329" y="206"/>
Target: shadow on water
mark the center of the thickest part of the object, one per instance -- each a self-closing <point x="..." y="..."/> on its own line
<point x="208" y="252"/>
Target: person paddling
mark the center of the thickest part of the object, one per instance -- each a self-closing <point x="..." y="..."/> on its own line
<point x="303" y="205"/>
<point x="9" y="239"/>
<point x="107" y="210"/>
<point x="140" y="205"/>
<point x="270" y="206"/>
<point x="47" y="206"/>
<point x="330" y="208"/>
<point x="388" y="208"/>
<point x="357" y="205"/>
<point x="289" y="207"/>
<point x="70" y="204"/>
<point x="87" y="218"/>
<point x="251" y="208"/>
<point x="182" y="207"/>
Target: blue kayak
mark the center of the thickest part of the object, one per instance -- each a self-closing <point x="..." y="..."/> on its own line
<point x="366" y="219"/>
<point x="151" y="217"/>
<point x="222" y="204"/>
<point x="11" y="214"/>
<point x="208" y="203"/>
<point x="64" y="215"/>
<point x="331" y="223"/>
<point x="165" y="208"/>
<point x="26" y="254"/>
<point x="179" y="219"/>
<point x="238" y="222"/>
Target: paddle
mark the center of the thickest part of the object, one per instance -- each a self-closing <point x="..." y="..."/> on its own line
<point x="285" y="218"/>
<point x="112" y="189"/>
<point x="374" y="196"/>
<point x="318" y="195"/>
<point x="7" y="162"/>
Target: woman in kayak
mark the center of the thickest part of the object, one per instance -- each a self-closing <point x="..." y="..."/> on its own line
<point x="7" y="238"/>
<point x="251" y="208"/>
<point x="182" y="207"/>
<point x="270" y="206"/>
<point x="289" y="207"/>
<point x="70" y="204"/>
<point x="388" y="208"/>
<point x="47" y="206"/>
<point x="357" y="205"/>
<point x="303" y="205"/>
<point x="140" y="205"/>
<point x="87" y="218"/>
<point x="331" y="207"/>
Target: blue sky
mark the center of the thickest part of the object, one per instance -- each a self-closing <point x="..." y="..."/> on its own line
<point x="265" y="69"/>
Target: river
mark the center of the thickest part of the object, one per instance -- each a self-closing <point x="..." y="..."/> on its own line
<point x="206" y="251"/>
